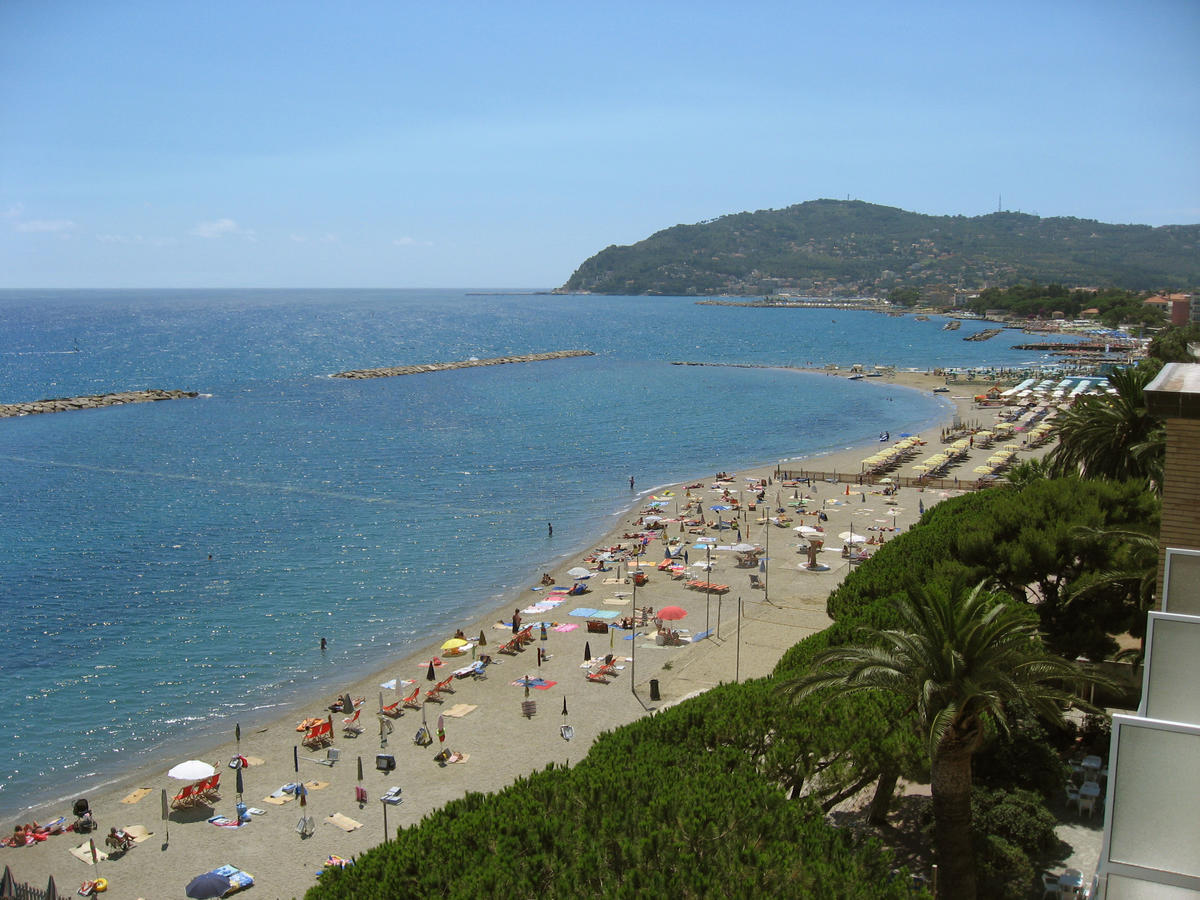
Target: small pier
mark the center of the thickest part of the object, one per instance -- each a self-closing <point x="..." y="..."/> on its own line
<point x="94" y="401"/>
<point x="392" y="371"/>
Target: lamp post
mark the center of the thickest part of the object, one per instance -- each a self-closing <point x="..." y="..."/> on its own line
<point x="707" y="584"/>
<point x="766" y="568"/>
<point x="633" y="656"/>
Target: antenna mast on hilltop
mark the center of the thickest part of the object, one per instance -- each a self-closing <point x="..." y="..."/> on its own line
<point x="999" y="203"/>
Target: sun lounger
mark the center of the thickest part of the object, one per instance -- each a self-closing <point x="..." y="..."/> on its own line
<point x="351" y="726"/>
<point x="185" y="798"/>
<point x="318" y="736"/>
<point x="413" y="701"/>
<point x="392" y="710"/>
<point x="597" y="678"/>
<point x="209" y="788"/>
<point x="510" y="648"/>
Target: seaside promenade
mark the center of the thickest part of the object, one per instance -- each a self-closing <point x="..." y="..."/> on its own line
<point x="487" y="720"/>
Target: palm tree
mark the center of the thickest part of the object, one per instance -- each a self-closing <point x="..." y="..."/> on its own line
<point x="959" y="657"/>
<point x="1133" y="572"/>
<point x="1112" y="435"/>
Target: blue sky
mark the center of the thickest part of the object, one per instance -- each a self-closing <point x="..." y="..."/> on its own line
<point x="407" y="144"/>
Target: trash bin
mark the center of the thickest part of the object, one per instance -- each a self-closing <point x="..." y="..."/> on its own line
<point x="654" y="689"/>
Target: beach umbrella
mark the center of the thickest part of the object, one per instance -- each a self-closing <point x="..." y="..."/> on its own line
<point x="192" y="770"/>
<point x="720" y="508"/>
<point x="579" y="572"/>
<point x="564" y="712"/>
<point x="208" y="885"/>
<point x="482" y="640"/>
<point x="454" y="644"/>
<point x="672" y="613"/>
<point x="806" y="529"/>
<point x="8" y="884"/>
<point x="743" y="548"/>
<point x="441" y="730"/>
<point x="851" y="537"/>
<point x="51" y="890"/>
<point x="429" y="676"/>
<point x="587" y="651"/>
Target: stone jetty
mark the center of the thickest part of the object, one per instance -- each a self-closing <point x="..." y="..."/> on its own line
<point x="65" y="404"/>
<point x="390" y="371"/>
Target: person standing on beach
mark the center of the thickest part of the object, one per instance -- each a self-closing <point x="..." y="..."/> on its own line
<point x="516" y="620"/>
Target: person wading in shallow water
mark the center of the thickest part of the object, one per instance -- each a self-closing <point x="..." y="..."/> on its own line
<point x="549" y="529"/>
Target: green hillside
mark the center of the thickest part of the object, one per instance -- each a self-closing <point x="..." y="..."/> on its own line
<point x="848" y="248"/>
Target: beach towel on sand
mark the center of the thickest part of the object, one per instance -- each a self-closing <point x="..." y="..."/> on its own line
<point x="83" y="853"/>
<point x="135" y="796"/>
<point x="343" y="822"/>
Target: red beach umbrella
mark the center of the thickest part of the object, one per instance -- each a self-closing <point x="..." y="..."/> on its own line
<point x="672" y="613"/>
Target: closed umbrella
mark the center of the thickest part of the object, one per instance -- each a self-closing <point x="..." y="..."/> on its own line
<point x="429" y="676"/>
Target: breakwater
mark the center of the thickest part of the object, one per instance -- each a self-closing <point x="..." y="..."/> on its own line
<point x="95" y="401"/>
<point x="391" y="371"/>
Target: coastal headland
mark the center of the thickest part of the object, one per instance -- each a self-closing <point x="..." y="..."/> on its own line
<point x="747" y="629"/>
<point x="94" y="401"/>
<point x="392" y="371"/>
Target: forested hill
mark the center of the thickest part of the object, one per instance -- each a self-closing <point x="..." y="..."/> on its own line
<point x="846" y="248"/>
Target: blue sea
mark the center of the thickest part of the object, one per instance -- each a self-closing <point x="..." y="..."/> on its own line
<point x="168" y="569"/>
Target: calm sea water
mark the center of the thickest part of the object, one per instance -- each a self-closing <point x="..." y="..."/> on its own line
<point x="376" y="514"/>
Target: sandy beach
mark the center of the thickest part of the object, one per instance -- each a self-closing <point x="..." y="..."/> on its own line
<point x="485" y="720"/>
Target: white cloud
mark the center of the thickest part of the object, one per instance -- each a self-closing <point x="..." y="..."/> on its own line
<point x="14" y="210"/>
<point x="411" y="242"/>
<point x="220" y="228"/>
<point x="46" y="226"/>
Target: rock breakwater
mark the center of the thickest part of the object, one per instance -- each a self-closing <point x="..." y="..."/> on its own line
<point x="95" y="401"/>
<point x="390" y="371"/>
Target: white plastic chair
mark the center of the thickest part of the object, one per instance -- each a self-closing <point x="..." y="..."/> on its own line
<point x="1050" y="886"/>
<point x="1088" y="804"/>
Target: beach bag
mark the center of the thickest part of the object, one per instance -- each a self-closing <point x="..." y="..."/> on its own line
<point x="422" y="737"/>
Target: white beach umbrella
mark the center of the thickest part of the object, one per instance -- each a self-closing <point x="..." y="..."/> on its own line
<point x="192" y="770"/>
<point x="807" y="529"/>
<point x="579" y="572"/>
<point x="851" y="537"/>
